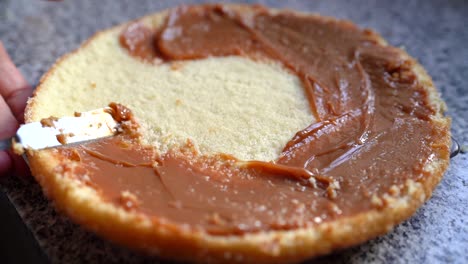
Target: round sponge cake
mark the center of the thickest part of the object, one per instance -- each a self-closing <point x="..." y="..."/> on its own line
<point x="245" y="108"/>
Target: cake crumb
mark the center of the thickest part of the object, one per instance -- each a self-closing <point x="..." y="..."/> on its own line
<point x="215" y="219"/>
<point x="335" y="209"/>
<point x="62" y="138"/>
<point x="177" y="65"/>
<point x="71" y="154"/>
<point x="377" y="202"/>
<point x="332" y="189"/>
<point x="49" y="121"/>
<point x="17" y="148"/>
<point x="128" y="200"/>
<point x="394" y="190"/>
<point x="313" y="182"/>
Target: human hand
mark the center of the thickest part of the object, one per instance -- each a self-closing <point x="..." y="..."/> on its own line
<point x="14" y="92"/>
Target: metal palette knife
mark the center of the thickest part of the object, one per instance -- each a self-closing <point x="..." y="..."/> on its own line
<point x="52" y="132"/>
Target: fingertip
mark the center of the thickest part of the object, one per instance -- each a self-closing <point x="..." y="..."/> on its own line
<point x="14" y="88"/>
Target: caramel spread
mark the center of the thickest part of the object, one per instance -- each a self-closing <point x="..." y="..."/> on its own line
<point x="374" y="130"/>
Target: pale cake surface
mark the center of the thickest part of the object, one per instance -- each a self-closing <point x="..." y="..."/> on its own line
<point x="234" y="105"/>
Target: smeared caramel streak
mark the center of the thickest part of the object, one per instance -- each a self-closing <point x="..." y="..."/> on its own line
<point x="113" y="160"/>
<point x="300" y="174"/>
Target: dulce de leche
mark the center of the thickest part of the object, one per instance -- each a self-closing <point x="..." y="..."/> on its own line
<point x="374" y="129"/>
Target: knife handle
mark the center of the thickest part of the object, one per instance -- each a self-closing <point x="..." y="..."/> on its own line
<point x="5" y="144"/>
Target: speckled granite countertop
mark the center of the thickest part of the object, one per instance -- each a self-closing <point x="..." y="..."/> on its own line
<point x="36" y="33"/>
